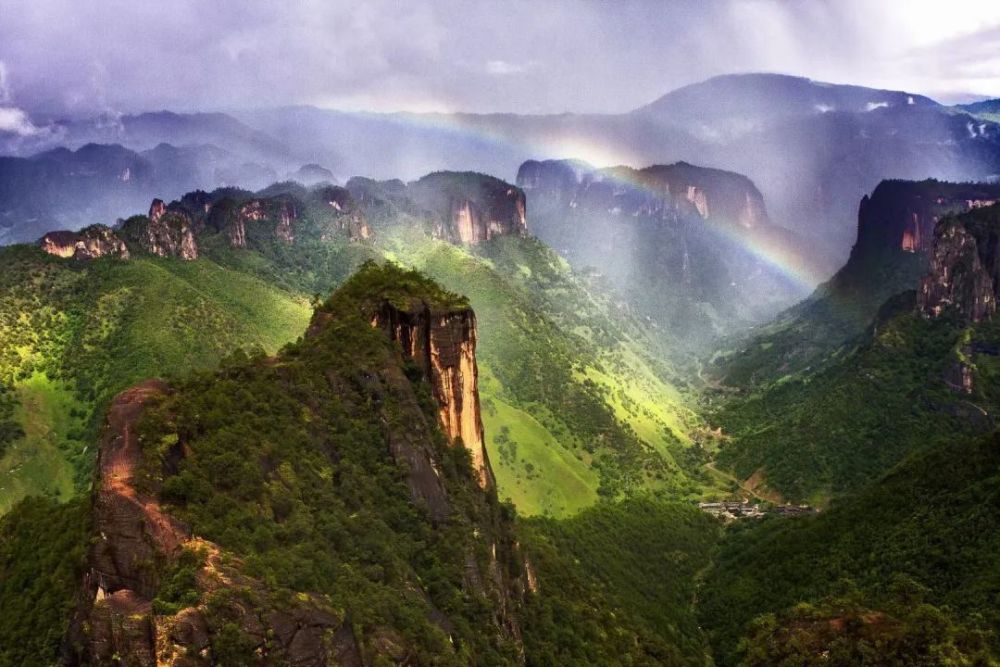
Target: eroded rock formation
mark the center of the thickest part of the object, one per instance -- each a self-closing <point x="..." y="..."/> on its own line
<point x="88" y="243"/>
<point x="964" y="268"/>
<point x="166" y="232"/>
<point x="469" y="208"/>
<point x="443" y="343"/>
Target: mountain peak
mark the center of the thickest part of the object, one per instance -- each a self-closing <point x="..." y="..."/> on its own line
<point x="759" y="94"/>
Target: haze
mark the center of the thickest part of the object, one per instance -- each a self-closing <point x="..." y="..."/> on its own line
<point x="72" y="58"/>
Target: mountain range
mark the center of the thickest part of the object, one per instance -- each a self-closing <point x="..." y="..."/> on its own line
<point x="486" y="405"/>
<point x="812" y="148"/>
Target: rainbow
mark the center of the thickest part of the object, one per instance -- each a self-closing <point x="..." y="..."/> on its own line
<point x="615" y="163"/>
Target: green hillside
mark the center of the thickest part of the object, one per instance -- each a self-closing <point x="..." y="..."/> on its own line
<point x="617" y="585"/>
<point x="578" y="400"/>
<point x="929" y="528"/>
<point x="72" y="335"/>
<point x="814" y="436"/>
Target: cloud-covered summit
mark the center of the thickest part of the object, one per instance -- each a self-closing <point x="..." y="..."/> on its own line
<point x="66" y="57"/>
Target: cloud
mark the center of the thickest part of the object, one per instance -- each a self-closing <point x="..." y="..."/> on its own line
<point x="16" y="121"/>
<point x="4" y="84"/>
<point x="76" y="58"/>
<point x="503" y="68"/>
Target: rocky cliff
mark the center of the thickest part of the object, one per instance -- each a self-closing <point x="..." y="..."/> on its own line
<point x="443" y="343"/>
<point x="88" y="243"/>
<point x="165" y="231"/>
<point x="901" y="215"/>
<point x="964" y="271"/>
<point x="469" y="208"/>
<point x="305" y="509"/>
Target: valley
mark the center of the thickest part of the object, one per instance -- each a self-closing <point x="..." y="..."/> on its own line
<point x="588" y="411"/>
<point x="343" y="375"/>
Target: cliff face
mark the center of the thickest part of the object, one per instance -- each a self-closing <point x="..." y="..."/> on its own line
<point x="88" y="243"/>
<point x="272" y="219"/>
<point x="900" y="216"/>
<point x="964" y="267"/>
<point x="348" y="216"/>
<point x="469" y="208"/>
<point x="443" y="344"/>
<point x="166" y="232"/>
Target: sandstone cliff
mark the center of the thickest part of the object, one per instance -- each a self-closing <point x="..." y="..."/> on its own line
<point x="166" y="232"/>
<point x="469" y="208"/>
<point x="443" y="344"/>
<point x="88" y="243"/>
<point x="964" y="268"/>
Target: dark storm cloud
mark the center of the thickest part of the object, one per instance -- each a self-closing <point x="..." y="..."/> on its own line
<point x="67" y="56"/>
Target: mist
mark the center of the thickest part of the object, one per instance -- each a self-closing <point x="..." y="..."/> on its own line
<point x="61" y="58"/>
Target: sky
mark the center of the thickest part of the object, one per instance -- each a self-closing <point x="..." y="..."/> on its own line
<point x="68" y="57"/>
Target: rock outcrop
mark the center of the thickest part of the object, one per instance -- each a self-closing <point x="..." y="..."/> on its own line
<point x="964" y="269"/>
<point x="343" y="405"/>
<point x="166" y="232"/>
<point x="136" y="539"/>
<point x="347" y="215"/>
<point x="901" y="215"/>
<point x="88" y="243"/>
<point x="443" y="344"/>
<point x="469" y="208"/>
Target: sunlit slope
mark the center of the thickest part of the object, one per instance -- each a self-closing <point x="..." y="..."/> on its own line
<point x="575" y="404"/>
<point x="578" y="402"/>
<point x="72" y="335"/>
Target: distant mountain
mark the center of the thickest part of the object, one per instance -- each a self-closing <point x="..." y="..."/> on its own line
<point x="813" y="149"/>
<point x="143" y="131"/>
<point x="895" y="235"/>
<point x="687" y="245"/>
<point x="768" y="97"/>
<point x="984" y="108"/>
<point x="97" y="184"/>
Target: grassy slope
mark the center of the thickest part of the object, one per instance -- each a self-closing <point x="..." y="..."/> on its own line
<point x="42" y="461"/>
<point x="99" y="328"/>
<point x="814" y="436"/>
<point x="534" y="316"/>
